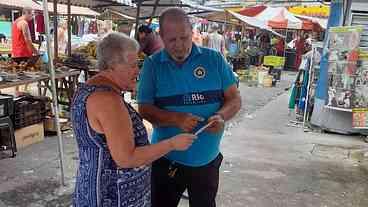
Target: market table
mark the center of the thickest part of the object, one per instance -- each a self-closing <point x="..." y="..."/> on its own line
<point x="66" y="81"/>
<point x="5" y="52"/>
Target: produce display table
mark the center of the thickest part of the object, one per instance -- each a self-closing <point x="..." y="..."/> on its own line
<point x="5" y="52"/>
<point x="66" y="82"/>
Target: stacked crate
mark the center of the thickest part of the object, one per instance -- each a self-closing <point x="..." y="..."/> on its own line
<point x="7" y="138"/>
<point x="29" y="110"/>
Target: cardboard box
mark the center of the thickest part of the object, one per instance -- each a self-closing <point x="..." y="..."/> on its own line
<point x="29" y="135"/>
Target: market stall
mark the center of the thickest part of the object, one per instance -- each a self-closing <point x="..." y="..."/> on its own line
<point x="339" y="95"/>
<point x="59" y="80"/>
<point x="276" y="17"/>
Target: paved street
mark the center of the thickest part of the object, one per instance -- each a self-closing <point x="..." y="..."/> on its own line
<point x="266" y="164"/>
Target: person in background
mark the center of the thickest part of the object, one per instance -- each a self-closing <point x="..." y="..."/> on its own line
<point x="197" y="37"/>
<point x="114" y="152"/>
<point x="22" y="47"/>
<point x="308" y="39"/>
<point x="280" y="46"/>
<point x="2" y="38"/>
<point x="183" y="88"/>
<point x="216" y="40"/>
<point x="2" y="41"/>
<point x="300" y="47"/>
<point x="62" y="37"/>
<point x="149" y="42"/>
<point x="265" y="43"/>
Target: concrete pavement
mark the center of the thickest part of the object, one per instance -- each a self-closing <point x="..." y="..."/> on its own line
<point x="270" y="164"/>
<point x="266" y="164"/>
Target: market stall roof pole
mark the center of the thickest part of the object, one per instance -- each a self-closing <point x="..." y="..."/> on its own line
<point x="143" y="5"/>
<point x="53" y="87"/>
<point x="189" y="13"/>
<point x="122" y="15"/>
<point x="56" y="46"/>
<point x="153" y="12"/>
<point x="137" y="18"/>
<point x="69" y="31"/>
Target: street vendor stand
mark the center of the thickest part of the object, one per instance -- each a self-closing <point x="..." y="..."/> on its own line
<point x="278" y="18"/>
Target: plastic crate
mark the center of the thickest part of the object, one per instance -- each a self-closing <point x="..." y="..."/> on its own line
<point x="6" y="105"/>
<point x="29" y="111"/>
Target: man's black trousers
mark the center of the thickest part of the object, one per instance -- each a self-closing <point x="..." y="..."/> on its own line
<point x="170" y="180"/>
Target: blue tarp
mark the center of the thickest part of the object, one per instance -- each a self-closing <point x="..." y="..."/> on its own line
<point x="5" y="28"/>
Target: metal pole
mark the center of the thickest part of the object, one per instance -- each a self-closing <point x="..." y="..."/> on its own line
<point x="137" y="19"/>
<point x="53" y="87"/>
<point x="69" y="31"/>
<point x="56" y="50"/>
<point x="153" y="12"/>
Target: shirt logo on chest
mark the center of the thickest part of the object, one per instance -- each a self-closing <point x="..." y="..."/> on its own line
<point x="199" y="72"/>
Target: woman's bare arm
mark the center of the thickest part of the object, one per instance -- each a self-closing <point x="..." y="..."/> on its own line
<point x="107" y="114"/>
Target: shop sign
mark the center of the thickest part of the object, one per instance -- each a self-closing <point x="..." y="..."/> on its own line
<point x="360" y="95"/>
<point x="274" y="61"/>
<point x="343" y="56"/>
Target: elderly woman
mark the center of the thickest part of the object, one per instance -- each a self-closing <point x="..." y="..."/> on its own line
<point x="114" y="152"/>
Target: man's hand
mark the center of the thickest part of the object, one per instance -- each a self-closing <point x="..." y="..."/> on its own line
<point x="217" y="125"/>
<point x="34" y="51"/>
<point x="187" y="122"/>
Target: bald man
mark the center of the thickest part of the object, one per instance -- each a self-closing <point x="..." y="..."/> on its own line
<point x="22" y="47"/>
<point x="183" y="88"/>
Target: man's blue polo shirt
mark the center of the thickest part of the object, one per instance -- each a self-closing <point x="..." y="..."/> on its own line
<point x="196" y="87"/>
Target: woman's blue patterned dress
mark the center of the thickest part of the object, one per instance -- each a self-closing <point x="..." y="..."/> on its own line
<point x="99" y="182"/>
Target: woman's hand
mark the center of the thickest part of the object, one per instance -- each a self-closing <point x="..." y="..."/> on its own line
<point x="182" y="142"/>
<point x="218" y="124"/>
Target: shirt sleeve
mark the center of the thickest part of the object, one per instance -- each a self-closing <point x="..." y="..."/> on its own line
<point x="146" y="86"/>
<point x="227" y="75"/>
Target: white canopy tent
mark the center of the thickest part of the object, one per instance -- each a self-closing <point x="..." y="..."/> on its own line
<point x="321" y="21"/>
<point x="277" y="15"/>
<point x="254" y="22"/>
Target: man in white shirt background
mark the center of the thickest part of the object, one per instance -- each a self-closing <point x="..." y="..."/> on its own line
<point x="215" y="40"/>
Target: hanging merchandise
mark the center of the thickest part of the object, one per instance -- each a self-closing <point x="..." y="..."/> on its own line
<point x="92" y="29"/>
<point x="40" y="24"/>
<point x="32" y="30"/>
<point x="86" y="27"/>
<point x="80" y="27"/>
<point x="343" y="56"/>
<point x="360" y="95"/>
<point x="75" y="26"/>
